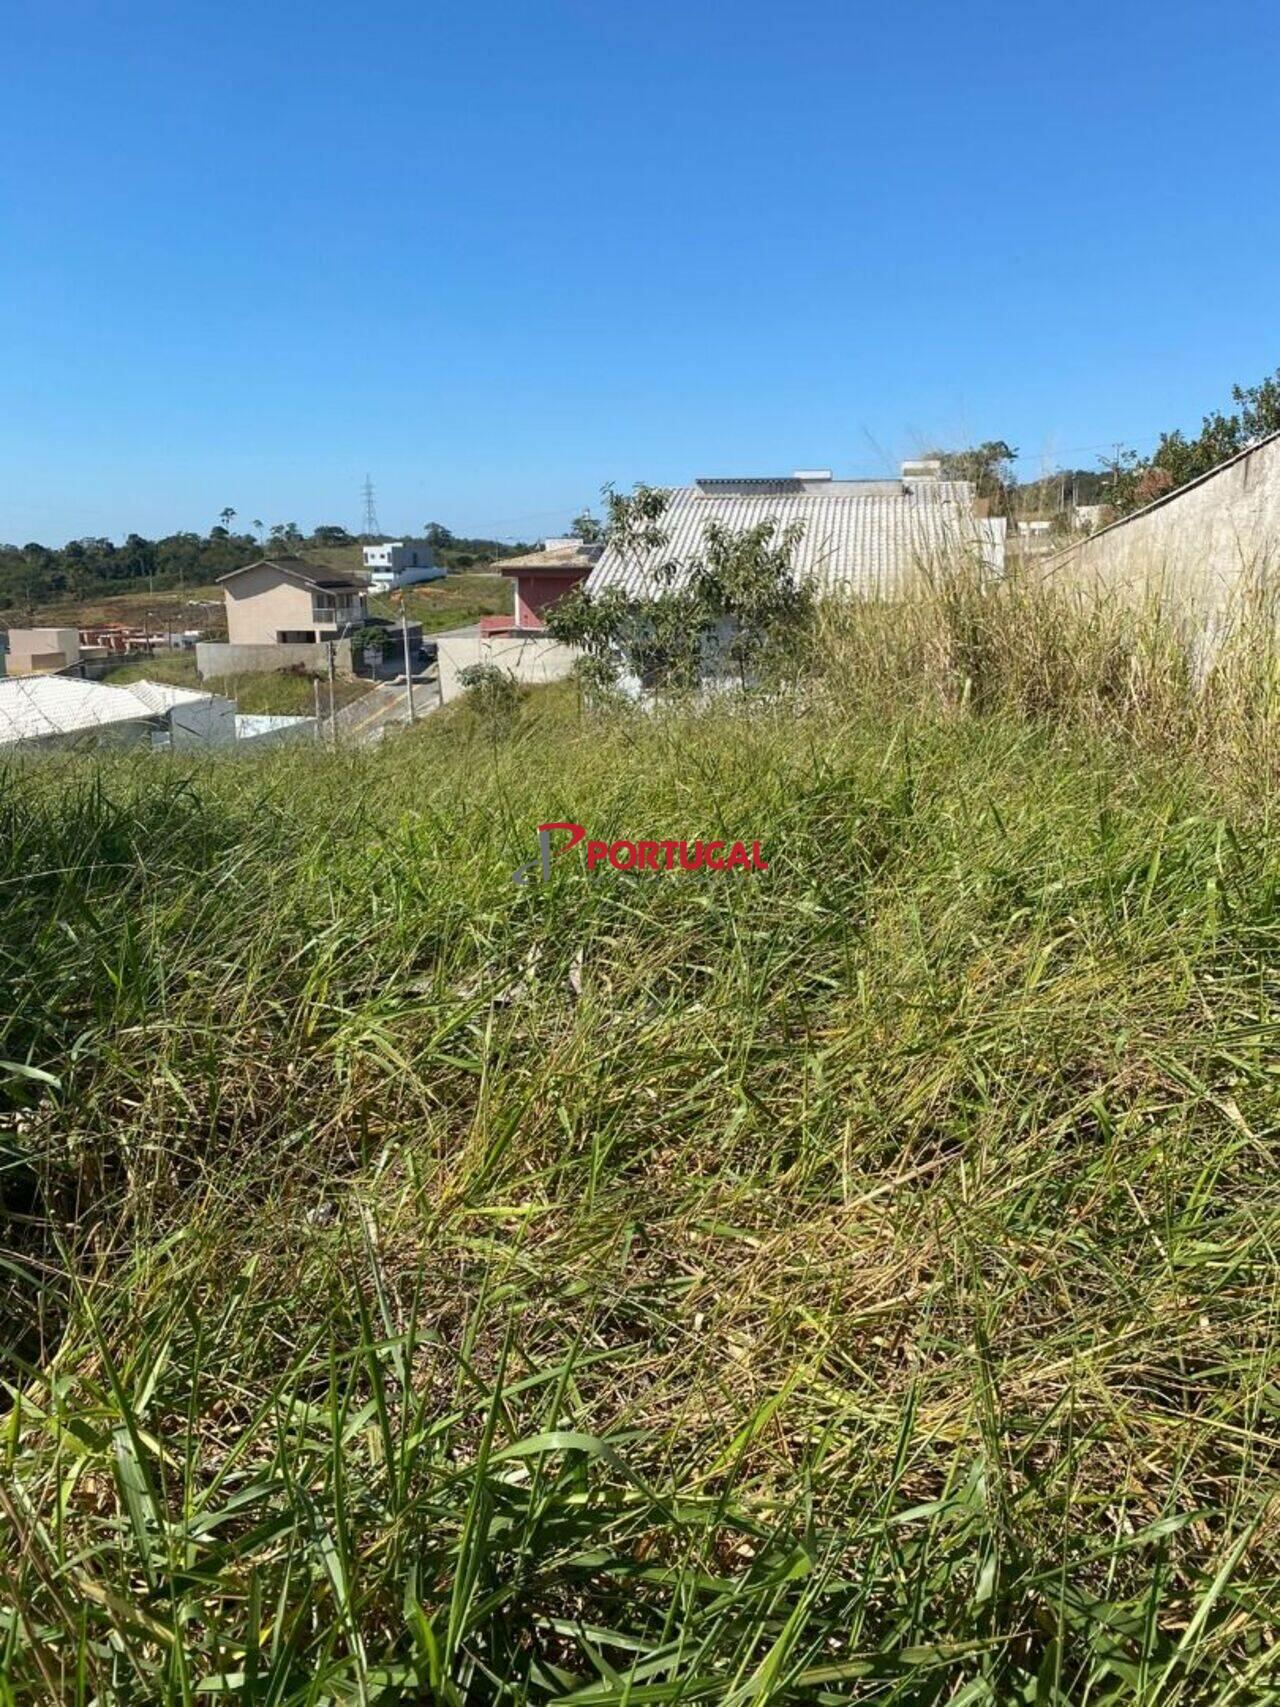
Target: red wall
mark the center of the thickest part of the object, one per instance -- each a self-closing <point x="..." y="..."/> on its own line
<point x="536" y="593"/>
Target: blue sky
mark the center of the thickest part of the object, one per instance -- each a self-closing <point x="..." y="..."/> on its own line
<point x="501" y="252"/>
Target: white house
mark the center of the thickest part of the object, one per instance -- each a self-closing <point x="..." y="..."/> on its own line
<point x="858" y="538"/>
<point x="400" y="563"/>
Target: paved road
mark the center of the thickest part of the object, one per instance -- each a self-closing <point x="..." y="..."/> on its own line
<point x="385" y="705"/>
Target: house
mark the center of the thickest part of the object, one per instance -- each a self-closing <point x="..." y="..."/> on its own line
<point x="541" y="577"/>
<point x="519" y="644"/>
<point x="53" y="710"/>
<point x="101" y="641"/>
<point x="858" y="537"/>
<point x="284" y="612"/>
<point x="400" y="563"/>
<point x="35" y="651"/>
<point x="285" y="601"/>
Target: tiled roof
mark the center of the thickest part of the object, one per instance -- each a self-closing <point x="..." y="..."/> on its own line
<point x="559" y="558"/>
<point x="311" y="574"/>
<point x="159" y="697"/>
<point x="35" y="706"/>
<point x="858" y="536"/>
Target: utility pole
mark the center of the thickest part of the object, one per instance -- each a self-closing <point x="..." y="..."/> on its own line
<point x="315" y="683"/>
<point x="408" y="664"/>
<point x="333" y="724"/>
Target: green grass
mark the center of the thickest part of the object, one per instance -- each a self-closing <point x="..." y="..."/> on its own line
<point x="460" y="599"/>
<point x="456" y="602"/>
<point x="281" y="693"/>
<point x="851" y="1282"/>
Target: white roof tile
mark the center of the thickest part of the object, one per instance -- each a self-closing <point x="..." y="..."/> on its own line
<point x="858" y="536"/>
<point x="36" y="706"/>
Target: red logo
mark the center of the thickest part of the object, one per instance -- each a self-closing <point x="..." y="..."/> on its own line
<point x="643" y="855"/>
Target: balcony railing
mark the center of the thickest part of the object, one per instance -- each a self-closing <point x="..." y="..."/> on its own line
<point x="334" y="615"/>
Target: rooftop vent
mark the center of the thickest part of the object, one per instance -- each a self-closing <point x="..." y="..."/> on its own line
<point x="813" y="474"/>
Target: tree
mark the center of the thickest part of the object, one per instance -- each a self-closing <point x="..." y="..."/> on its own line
<point x="988" y="467"/>
<point x="586" y="528"/>
<point x="493" y="694"/>
<point x="331" y="534"/>
<point x="436" y="534"/>
<point x="1133" y="481"/>
<point x="226" y="517"/>
<point x="745" y="578"/>
<point x="736" y="600"/>
<point x="286" y="534"/>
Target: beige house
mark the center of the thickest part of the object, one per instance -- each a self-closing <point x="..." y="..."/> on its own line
<point x="283" y="601"/>
<point x="33" y="651"/>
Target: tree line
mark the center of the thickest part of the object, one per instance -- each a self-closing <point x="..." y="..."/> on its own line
<point x="34" y="574"/>
<point x="1126" y="480"/>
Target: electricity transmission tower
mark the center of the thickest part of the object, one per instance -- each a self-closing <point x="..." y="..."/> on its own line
<point x="371" y="527"/>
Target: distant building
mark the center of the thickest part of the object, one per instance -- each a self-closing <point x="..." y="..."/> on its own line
<point x="541" y="578"/>
<point x="36" y="651"/>
<point x="284" y="601"/>
<point x="858" y="537"/>
<point x="1087" y="518"/>
<point x="400" y="563"/>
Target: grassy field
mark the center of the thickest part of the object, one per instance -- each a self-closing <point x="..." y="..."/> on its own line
<point x="460" y="599"/>
<point x="191" y="607"/>
<point x="850" y="1282"/>
<point x="283" y="693"/>
<point x="456" y="602"/>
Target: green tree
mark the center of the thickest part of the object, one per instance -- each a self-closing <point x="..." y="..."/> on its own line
<point x="988" y="467"/>
<point x="1132" y="480"/>
<point x="736" y="601"/>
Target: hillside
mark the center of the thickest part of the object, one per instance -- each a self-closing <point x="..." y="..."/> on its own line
<point x="850" y="1281"/>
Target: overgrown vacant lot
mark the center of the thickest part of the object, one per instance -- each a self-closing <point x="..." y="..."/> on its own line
<point x="850" y="1282"/>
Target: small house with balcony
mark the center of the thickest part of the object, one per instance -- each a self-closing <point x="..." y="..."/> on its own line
<point x="285" y="601"/>
<point x="283" y="613"/>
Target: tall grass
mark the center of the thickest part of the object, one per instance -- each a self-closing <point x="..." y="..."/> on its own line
<point x="1171" y="668"/>
<point x="855" y="1281"/>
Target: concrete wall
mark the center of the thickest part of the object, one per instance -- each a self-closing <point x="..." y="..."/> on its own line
<point x="221" y="658"/>
<point x="267" y="731"/>
<point x="1200" y="544"/>
<point x="34" y="650"/>
<point x="530" y="659"/>
<point x="203" y="723"/>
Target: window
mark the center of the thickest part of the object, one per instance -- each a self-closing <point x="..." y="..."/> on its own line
<point x="295" y="637"/>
